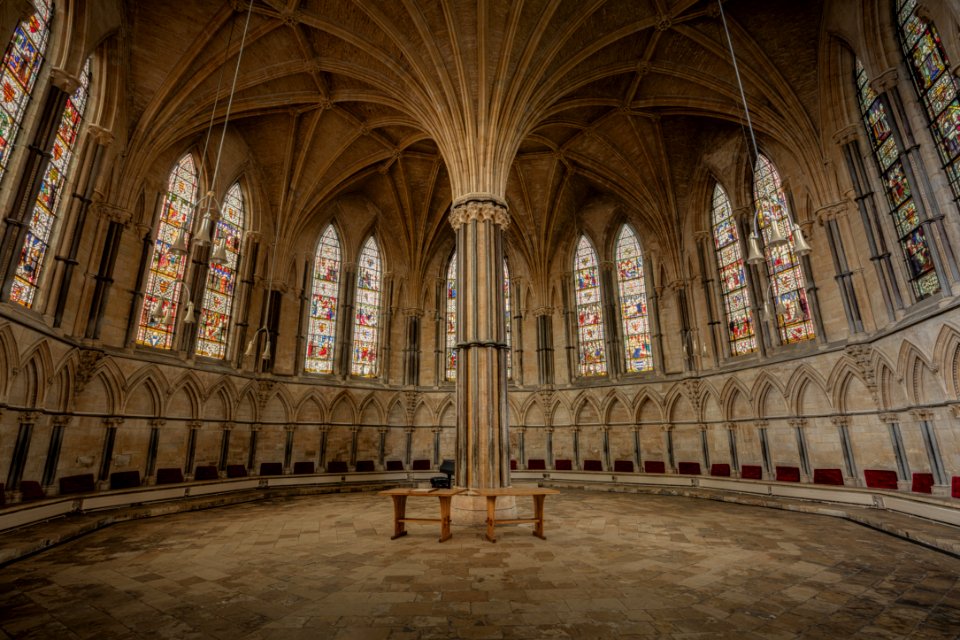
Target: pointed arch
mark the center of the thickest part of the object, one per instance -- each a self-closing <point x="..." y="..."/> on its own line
<point x="678" y="407"/>
<point x="584" y="406"/>
<point x="796" y="388"/>
<point x="276" y="409"/>
<point x="531" y="412"/>
<point x="934" y="83"/>
<point x="370" y="407"/>
<point x="946" y="356"/>
<point x="143" y="395"/>
<point x="343" y="409"/>
<point x="447" y="413"/>
<point x="733" y="282"/>
<point x="47" y="206"/>
<point x="615" y="409"/>
<point x="217" y="309"/>
<point x="649" y="409"/>
<point x="39" y="357"/>
<point x="765" y="383"/>
<point x="632" y="289"/>
<point x="365" y="361"/>
<point x="324" y="303"/>
<point x="168" y="260"/>
<point x="311" y="409"/>
<point x="788" y="284"/>
<point x="734" y="390"/>
<point x="224" y="389"/>
<point x="191" y="388"/>
<point x="589" y="305"/>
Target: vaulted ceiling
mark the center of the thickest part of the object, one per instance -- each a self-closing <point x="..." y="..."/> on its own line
<point x="411" y="103"/>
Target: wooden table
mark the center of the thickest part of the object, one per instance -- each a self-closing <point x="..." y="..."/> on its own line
<point x="400" y="518"/>
<point x="537" y="493"/>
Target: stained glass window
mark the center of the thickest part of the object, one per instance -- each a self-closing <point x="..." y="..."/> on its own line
<point x="783" y="266"/>
<point x="935" y="84"/>
<point x="366" y="329"/>
<point x="214" y="325"/>
<point x="506" y="311"/>
<point x="733" y="279"/>
<point x="450" y="317"/>
<point x="586" y="278"/>
<point x="913" y="243"/>
<point x="45" y="209"/>
<point x="324" y="298"/>
<point x="164" y="280"/>
<point x="21" y="64"/>
<point x="633" y="303"/>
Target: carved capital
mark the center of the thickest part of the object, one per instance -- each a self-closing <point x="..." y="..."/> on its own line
<point x="156" y="423"/>
<point x="29" y="417"/>
<point x="840" y="421"/>
<point x="798" y="423"/>
<point x="922" y="415"/>
<point x="289" y="427"/>
<point x="64" y="81"/>
<point x="112" y="213"/>
<point x="542" y="311"/>
<point x="761" y="424"/>
<point x="894" y="418"/>
<point x="62" y="421"/>
<point x="194" y="425"/>
<point x="831" y="211"/>
<point x="884" y="80"/>
<point x="112" y="422"/>
<point x="104" y="137"/>
<point x="847" y="134"/>
<point x="479" y="210"/>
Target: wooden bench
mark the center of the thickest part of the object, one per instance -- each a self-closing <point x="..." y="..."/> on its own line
<point x="537" y="493"/>
<point x="400" y="495"/>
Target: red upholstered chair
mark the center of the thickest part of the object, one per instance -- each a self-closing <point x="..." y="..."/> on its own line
<point x="125" y="479"/>
<point x="513" y="464"/>
<point x="956" y="487"/>
<point x="82" y="483"/>
<point x="563" y="465"/>
<point x="31" y="490"/>
<point x="788" y="474"/>
<point x="337" y="466"/>
<point x="304" y="467"/>
<point x="394" y="465"/>
<point x="654" y="466"/>
<point x="236" y="471"/>
<point x="3" y="496"/>
<point x="623" y="466"/>
<point x="419" y="465"/>
<point x="751" y="472"/>
<point x="536" y="464"/>
<point x="271" y="468"/>
<point x="720" y="470"/>
<point x="880" y="479"/>
<point x="169" y="475"/>
<point x="922" y="483"/>
<point x="206" y="472"/>
<point x="592" y="465"/>
<point x="828" y="476"/>
<point x="688" y="468"/>
<point x="365" y="465"/>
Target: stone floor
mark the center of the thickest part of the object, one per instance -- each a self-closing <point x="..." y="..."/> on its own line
<point x="613" y="566"/>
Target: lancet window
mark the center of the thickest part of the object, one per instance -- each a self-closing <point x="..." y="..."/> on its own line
<point x="785" y="274"/>
<point x="21" y="65"/>
<point x="46" y="208"/>
<point x="218" y="295"/>
<point x="324" y="302"/>
<point x="633" y="303"/>
<point x="586" y="280"/>
<point x="912" y="239"/>
<point x="733" y="280"/>
<point x="169" y="257"/>
<point x="366" y="325"/>
<point x="450" y="321"/>
<point x="935" y="84"/>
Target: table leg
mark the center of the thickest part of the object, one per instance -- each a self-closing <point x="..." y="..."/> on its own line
<point x="445" y="518"/>
<point x="491" y="517"/>
<point x="399" y="513"/>
<point x="538" y="514"/>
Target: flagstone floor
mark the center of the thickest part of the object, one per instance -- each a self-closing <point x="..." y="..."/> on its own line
<point x="613" y="566"/>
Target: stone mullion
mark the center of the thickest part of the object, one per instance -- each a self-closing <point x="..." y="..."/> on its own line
<point x="385" y="336"/>
<point x="544" y="318"/>
<point x="411" y="350"/>
<point x="755" y="287"/>
<point x="483" y="450"/>
<point x="53" y="449"/>
<point x="843" y="275"/>
<point x="345" y="349"/>
<point x="870" y="218"/>
<point x="244" y="292"/>
<point x="440" y="322"/>
<point x="136" y="302"/>
<point x="516" y="347"/>
<point x="195" y="283"/>
<point x="711" y="295"/>
<point x="303" y="322"/>
<point x="17" y="221"/>
<point x="613" y="334"/>
<point x="83" y="195"/>
<point x="813" y="296"/>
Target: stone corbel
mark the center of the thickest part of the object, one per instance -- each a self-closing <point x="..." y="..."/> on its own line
<point x="845" y="135"/>
<point x="923" y="415"/>
<point x="840" y="421"/>
<point x="885" y="80"/>
<point x="479" y="210"/>
<point x="66" y="82"/>
<point x="828" y="212"/>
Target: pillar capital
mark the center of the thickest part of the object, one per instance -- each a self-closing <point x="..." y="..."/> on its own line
<point x="840" y="420"/>
<point x="194" y="424"/>
<point x="112" y="422"/>
<point x="922" y="415"/>
<point x="479" y="208"/>
<point x="798" y="423"/>
<point x="884" y="80"/>
<point x="66" y="82"/>
<point x="893" y="417"/>
<point x="761" y="424"/>
<point x="156" y="423"/>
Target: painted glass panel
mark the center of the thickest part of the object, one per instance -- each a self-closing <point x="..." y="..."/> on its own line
<point x="633" y="303"/>
<point x="586" y="277"/>
<point x="783" y="266"/>
<point x="508" y="319"/>
<point x="450" y="316"/>
<point x="46" y="211"/>
<point x="214" y="325"/>
<point x="366" y="325"/>
<point x="21" y="65"/>
<point x="935" y="85"/>
<point x="733" y="281"/>
<point x="324" y="300"/>
<point x="165" y="278"/>
<point x="913" y="244"/>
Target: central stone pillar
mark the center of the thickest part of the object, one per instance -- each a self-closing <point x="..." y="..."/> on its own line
<point x="482" y="436"/>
